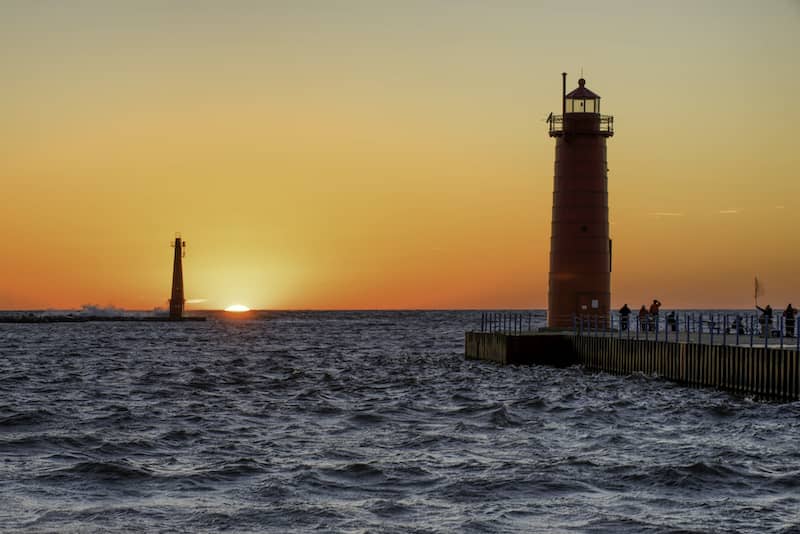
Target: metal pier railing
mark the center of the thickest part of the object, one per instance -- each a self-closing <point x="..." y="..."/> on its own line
<point x="713" y="328"/>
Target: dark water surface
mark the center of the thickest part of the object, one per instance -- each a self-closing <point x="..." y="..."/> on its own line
<point x="366" y="422"/>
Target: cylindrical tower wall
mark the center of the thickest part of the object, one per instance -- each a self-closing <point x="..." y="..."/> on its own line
<point x="176" y="301"/>
<point x="580" y="269"/>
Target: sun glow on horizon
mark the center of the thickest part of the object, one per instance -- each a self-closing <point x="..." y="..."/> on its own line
<point x="237" y="308"/>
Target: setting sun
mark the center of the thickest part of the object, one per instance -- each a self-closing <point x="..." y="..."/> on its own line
<point x="237" y="308"/>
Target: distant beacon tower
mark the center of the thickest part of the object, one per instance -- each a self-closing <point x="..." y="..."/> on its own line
<point x="580" y="248"/>
<point x="177" y="300"/>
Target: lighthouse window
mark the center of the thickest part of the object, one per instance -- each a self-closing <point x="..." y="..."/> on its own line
<point x="583" y="106"/>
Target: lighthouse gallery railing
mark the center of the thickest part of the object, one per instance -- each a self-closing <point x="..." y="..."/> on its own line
<point x="556" y="123"/>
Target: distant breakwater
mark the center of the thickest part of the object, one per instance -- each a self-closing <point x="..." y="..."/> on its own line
<point x="35" y="319"/>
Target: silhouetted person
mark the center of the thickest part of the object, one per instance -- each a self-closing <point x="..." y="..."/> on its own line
<point x="789" y="315"/>
<point x="672" y="321"/>
<point x="766" y="319"/>
<point x="643" y="322"/>
<point x="624" y="315"/>
<point x="654" y="308"/>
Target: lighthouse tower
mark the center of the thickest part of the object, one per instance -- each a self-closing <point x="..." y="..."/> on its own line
<point x="177" y="300"/>
<point x="580" y="248"/>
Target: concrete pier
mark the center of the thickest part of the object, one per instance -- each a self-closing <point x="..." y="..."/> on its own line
<point x="766" y="372"/>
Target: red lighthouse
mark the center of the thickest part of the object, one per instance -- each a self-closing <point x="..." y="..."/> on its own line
<point x="580" y="248"/>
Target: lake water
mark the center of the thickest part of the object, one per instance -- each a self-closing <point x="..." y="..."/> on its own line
<point x="366" y="422"/>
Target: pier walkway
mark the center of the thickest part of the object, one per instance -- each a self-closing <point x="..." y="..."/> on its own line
<point x="744" y="362"/>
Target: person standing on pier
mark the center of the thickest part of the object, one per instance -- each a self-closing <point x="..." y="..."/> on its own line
<point x="624" y="315"/>
<point x="672" y="321"/>
<point x="765" y="319"/>
<point x="789" y="316"/>
<point x="654" y="308"/>
<point x="643" y="322"/>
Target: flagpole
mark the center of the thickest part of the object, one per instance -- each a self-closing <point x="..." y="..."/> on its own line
<point x="755" y="289"/>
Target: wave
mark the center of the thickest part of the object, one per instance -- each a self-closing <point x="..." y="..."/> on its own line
<point x="25" y="419"/>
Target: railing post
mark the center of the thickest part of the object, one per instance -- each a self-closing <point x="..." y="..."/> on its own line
<point x="738" y="327"/>
<point x="725" y="330"/>
<point x="628" y="328"/>
<point x="657" y="321"/>
<point x="711" y="323"/>
<point x="797" y="333"/>
<point x="676" y="325"/>
<point x="687" y="327"/>
<point x="700" y="331"/>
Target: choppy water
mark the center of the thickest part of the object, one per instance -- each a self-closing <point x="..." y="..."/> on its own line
<point x="366" y="422"/>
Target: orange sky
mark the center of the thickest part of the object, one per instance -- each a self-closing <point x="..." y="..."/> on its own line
<point x="367" y="155"/>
